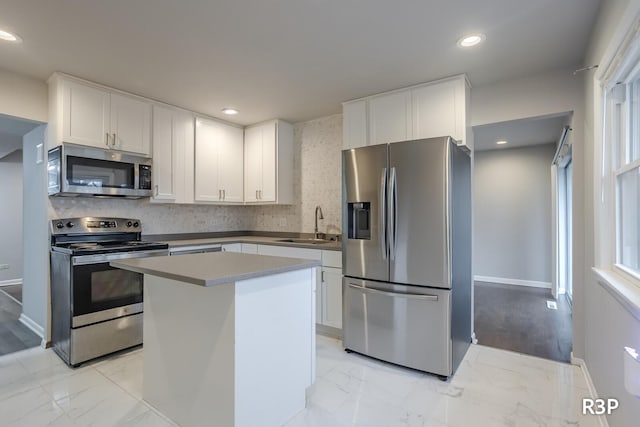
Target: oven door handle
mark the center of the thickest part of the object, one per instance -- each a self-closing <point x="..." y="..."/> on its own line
<point x="102" y="258"/>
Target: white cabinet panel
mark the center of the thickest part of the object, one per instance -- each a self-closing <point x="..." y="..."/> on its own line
<point x="85" y="115"/>
<point x="232" y="247"/>
<point x="436" y="112"/>
<point x="354" y="119"/>
<point x="249" y="248"/>
<point x="289" y="252"/>
<point x="332" y="297"/>
<point x="173" y="140"/>
<point x="268" y="157"/>
<point x="332" y="259"/>
<point x="130" y="124"/>
<point x="390" y="118"/>
<point x="219" y="162"/>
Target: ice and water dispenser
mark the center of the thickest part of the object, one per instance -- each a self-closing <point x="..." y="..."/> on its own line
<point x="359" y="220"/>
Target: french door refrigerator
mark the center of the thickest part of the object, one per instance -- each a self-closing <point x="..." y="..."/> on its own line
<point x="407" y="253"/>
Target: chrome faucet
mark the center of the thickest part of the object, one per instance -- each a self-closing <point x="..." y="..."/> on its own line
<point x="316" y="235"/>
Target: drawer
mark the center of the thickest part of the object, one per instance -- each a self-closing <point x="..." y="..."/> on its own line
<point x="332" y="259"/>
<point x="289" y="252"/>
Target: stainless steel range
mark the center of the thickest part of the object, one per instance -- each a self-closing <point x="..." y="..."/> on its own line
<point x="96" y="308"/>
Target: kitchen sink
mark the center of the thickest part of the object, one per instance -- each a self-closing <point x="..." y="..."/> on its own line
<point x="310" y="241"/>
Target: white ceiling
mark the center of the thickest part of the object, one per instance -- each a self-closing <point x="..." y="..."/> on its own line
<point x="292" y="59"/>
<point x="519" y="133"/>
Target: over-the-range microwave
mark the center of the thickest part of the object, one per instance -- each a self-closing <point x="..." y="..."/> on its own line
<point x="76" y="170"/>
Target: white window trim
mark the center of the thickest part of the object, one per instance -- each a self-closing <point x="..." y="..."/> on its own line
<point x="619" y="60"/>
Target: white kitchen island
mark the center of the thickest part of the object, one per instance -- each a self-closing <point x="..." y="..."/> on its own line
<point x="229" y="339"/>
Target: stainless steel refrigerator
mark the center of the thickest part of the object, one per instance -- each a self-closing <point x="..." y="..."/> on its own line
<point x="407" y="253"/>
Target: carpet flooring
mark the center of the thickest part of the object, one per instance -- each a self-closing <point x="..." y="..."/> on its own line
<point x="516" y="318"/>
<point x="14" y="336"/>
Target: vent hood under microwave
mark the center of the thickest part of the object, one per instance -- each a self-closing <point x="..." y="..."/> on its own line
<point x="75" y="170"/>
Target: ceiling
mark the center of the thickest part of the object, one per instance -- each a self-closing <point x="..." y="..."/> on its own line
<point x="520" y="133"/>
<point x="291" y="59"/>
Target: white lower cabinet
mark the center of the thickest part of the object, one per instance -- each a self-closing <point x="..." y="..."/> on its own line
<point x="249" y="248"/>
<point x="232" y="247"/>
<point x="331" y="296"/>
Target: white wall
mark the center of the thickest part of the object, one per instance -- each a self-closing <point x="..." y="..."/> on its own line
<point x="607" y="325"/>
<point x="512" y="213"/>
<point x="35" y="292"/>
<point x="11" y="216"/>
<point x="23" y="96"/>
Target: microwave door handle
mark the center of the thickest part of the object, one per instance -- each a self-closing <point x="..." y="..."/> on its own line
<point x="383" y="214"/>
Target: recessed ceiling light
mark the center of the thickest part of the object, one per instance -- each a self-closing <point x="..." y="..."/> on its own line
<point x="501" y="142"/>
<point x="230" y="111"/>
<point x="471" y="40"/>
<point x="9" y="37"/>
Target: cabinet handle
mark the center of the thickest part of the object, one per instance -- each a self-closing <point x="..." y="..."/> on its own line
<point x="224" y="194"/>
<point x="322" y="276"/>
<point x="106" y="138"/>
<point x="157" y="190"/>
<point x="219" y="194"/>
<point x="257" y="195"/>
<point x="114" y="139"/>
<point x="260" y="193"/>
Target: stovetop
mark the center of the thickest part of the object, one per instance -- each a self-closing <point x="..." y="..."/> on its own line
<point x="90" y="248"/>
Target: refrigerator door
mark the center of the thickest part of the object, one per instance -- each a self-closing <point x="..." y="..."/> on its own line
<point x="365" y="252"/>
<point x="418" y="226"/>
<point x="406" y="325"/>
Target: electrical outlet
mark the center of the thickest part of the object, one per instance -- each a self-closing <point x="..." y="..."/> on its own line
<point x="4" y="266"/>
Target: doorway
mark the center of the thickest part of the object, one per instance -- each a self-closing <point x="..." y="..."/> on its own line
<point x="15" y="335"/>
<point x="513" y="204"/>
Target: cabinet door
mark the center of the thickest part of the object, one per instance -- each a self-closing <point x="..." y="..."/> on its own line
<point x="252" y="163"/>
<point x="164" y="155"/>
<point x="354" y="131"/>
<point x="269" y="163"/>
<point x="232" y="247"/>
<point x="184" y="143"/>
<point x="85" y="115"/>
<point x="435" y="110"/>
<point x="390" y="118"/>
<point x="231" y="163"/>
<point x="130" y="124"/>
<point x="332" y="297"/>
<point x="208" y="135"/>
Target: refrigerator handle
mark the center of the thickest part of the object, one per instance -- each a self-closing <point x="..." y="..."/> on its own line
<point x="383" y="213"/>
<point x="393" y="213"/>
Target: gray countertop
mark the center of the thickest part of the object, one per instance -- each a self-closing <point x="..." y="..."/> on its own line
<point x="332" y="246"/>
<point x="213" y="268"/>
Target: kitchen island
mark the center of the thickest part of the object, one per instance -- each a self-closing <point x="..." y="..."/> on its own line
<point x="229" y="339"/>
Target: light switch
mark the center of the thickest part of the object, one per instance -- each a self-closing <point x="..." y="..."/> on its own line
<point x="632" y="371"/>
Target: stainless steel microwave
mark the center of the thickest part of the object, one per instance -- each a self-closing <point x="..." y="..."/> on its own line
<point x="75" y="170"/>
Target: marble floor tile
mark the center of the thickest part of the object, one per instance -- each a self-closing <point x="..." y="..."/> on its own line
<point x="491" y="388"/>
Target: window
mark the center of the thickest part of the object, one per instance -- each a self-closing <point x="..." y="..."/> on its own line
<point x="622" y="135"/>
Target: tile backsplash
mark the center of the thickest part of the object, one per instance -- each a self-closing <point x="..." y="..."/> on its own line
<point x="317" y="172"/>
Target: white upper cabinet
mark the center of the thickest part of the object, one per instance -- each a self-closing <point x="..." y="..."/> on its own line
<point x="87" y="114"/>
<point x="218" y="162"/>
<point x="390" y="118"/>
<point x="428" y="110"/>
<point x="354" y="124"/>
<point x="173" y="154"/>
<point x="268" y="160"/>
<point x="130" y="124"/>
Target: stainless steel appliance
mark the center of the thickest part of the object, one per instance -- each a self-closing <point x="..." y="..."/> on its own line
<point x="75" y="170"/>
<point x="407" y="253"/>
<point x="96" y="309"/>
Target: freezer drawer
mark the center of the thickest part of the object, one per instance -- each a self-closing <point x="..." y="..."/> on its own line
<point x="406" y="325"/>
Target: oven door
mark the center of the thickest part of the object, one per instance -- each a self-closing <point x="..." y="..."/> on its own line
<point x="101" y="292"/>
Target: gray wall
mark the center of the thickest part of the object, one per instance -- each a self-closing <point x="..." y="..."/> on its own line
<point x="512" y="213"/>
<point x="607" y="325"/>
<point x="35" y="292"/>
<point x="11" y="216"/>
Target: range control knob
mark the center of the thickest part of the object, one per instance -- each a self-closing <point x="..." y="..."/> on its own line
<point x="136" y="224"/>
<point x="59" y="225"/>
<point x="70" y="224"/>
<point x="129" y="223"/>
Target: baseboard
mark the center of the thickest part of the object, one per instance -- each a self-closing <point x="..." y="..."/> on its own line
<point x="592" y="388"/>
<point x="516" y="282"/>
<point x="29" y="323"/>
<point x="329" y="331"/>
<point x="10" y="282"/>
